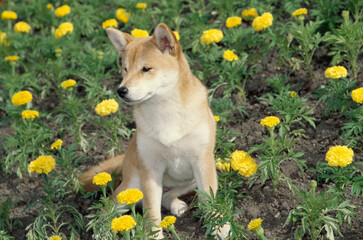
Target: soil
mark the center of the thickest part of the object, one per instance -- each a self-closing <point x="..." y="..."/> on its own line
<point x="273" y="209"/>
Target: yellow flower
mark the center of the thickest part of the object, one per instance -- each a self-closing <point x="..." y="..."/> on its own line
<point x="63" y="29"/>
<point x="21" y="98"/>
<point x="293" y="94"/>
<point x="233" y="21"/>
<point x="3" y="40"/>
<point x="124" y="223"/>
<point x="43" y="164"/>
<point x="262" y="22"/>
<point x="129" y="196"/>
<point x="249" y="13"/>
<point x="139" y="33"/>
<point x="243" y="163"/>
<point x="106" y="107"/>
<point x="9" y="15"/>
<point x="57" y="144"/>
<point x="50" y="6"/>
<point x="109" y="23"/>
<point x="122" y="15"/>
<point x="336" y="72"/>
<point x="211" y="36"/>
<point x="176" y="35"/>
<point x="216" y="118"/>
<point x="339" y="156"/>
<point x="22" y="27"/>
<point x="141" y="5"/>
<point x="229" y="56"/>
<point x="11" y="58"/>
<point x="55" y="237"/>
<point x="29" y="114"/>
<point x="62" y="10"/>
<point x="357" y="95"/>
<point x="68" y="83"/>
<point x="300" y="11"/>
<point x="270" y="121"/>
<point x="167" y="221"/>
<point x="101" y="179"/>
<point x="254" y="224"/>
<point x="58" y="50"/>
<point x="223" y="165"/>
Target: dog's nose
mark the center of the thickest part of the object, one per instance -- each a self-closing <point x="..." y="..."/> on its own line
<point x="122" y="91"/>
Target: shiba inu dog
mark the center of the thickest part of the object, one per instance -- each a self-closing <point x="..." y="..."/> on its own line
<point x="175" y="129"/>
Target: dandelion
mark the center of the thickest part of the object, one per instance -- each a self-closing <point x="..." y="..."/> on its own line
<point x="357" y="95"/>
<point x="124" y="223"/>
<point x="216" y="118"/>
<point x="229" y="56"/>
<point x="262" y="22"/>
<point x="101" y="179"/>
<point x="122" y="15"/>
<point x="292" y="94"/>
<point x="254" y="224"/>
<point x="167" y="221"/>
<point x="21" y="98"/>
<point x="129" y="196"/>
<point x="22" y="27"/>
<point x="336" y="72"/>
<point x="300" y="11"/>
<point x="106" y="107"/>
<point x="11" y="58"/>
<point x="8" y="15"/>
<point x="29" y="114"/>
<point x="63" y="29"/>
<point x="233" y="22"/>
<point x="176" y="35"/>
<point x="223" y="165"/>
<point x="243" y="163"/>
<point x="211" y="36"/>
<point x="249" y="13"/>
<point x="68" y="83"/>
<point x="50" y="6"/>
<point x="43" y="164"/>
<point x="109" y="23"/>
<point x="57" y="144"/>
<point x="139" y="33"/>
<point x="339" y="156"/>
<point x="270" y="121"/>
<point x="62" y="11"/>
<point x="55" y="237"/>
<point x="141" y="5"/>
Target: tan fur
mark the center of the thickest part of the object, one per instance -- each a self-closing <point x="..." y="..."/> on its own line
<point x="175" y="129"/>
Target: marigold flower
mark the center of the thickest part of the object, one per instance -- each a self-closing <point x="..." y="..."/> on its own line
<point x="57" y="144"/>
<point x="293" y="94"/>
<point x="141" y="5"/>
<point x="339" y="156"/>
<point x="223" y="165"/>
<point x="254" y="224"/>
<point x="29" y="114"/>
<point x="43" y="164"/>
<point x="243" y="163"/>
<point x="101" y="179"/>
<point x="9" y="15"/>
<point x="129" y="196"/>
<point x="22" y="27"/>
<point x="229" y="56"/>
<point x="21" y="98"/>
<point x="167" y="221"/>
<point x="122" y="15"/>
<point x="270" y="121"/>
<point x="63" y="29"/>
<point x="176" y="35"/>
<point x="246" y="14"/>
<point x="233" y="21"/>
<point x="3" y="40"/>
<point x="109" y="23"/>
<point x="124" y="223"/>
<point x="58" y="50"/>
<point x="68" y="83"/>
<point x="62" y="11"/>
<point x="262" y="22"/>
<point x="106" y="107"/>
<point x="336" y="72"/>
<point x="11" y="58"/>
<point x="55" y="237"/>
<point x="357" y="95"/>
<point x="211" y="36"/>
<point x="139" y="33"/>
<point x="216" y="118"/>
<point x="50" y="6"/>
<point x="300" y="11"/>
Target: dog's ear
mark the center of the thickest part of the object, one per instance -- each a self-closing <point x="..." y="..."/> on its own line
<point x="166" y="40"/>
<point x="119" y="39"/>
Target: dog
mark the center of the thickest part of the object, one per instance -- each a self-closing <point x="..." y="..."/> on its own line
<point x="173" y="146"/>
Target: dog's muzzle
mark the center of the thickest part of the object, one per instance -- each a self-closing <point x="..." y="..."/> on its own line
<point x="122" y="91"/>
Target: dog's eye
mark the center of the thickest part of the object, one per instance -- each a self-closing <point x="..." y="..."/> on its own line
<point x="146" y="69"/>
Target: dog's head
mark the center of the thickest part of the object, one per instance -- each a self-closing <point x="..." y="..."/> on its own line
<point x="149" y="65"/>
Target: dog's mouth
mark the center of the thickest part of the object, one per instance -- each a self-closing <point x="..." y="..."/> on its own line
<point x="136" y="101"/>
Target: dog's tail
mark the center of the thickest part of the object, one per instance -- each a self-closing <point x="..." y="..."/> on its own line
<point x="109" y="166"/>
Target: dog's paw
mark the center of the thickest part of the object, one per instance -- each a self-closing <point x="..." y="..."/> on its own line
<point x="178" y="207"/>
<point x="223" y="231"/>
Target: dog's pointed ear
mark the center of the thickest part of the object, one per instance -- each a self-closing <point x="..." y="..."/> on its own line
<point x="166" y="40"/>
<point x="119" y="39"/>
